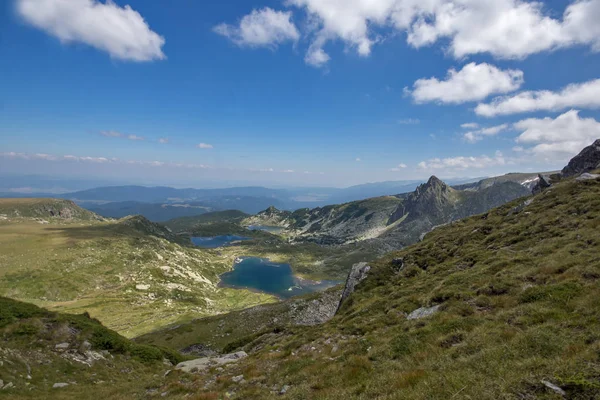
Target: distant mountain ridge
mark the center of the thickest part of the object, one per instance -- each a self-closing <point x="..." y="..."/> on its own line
<point x="402" y="218"/>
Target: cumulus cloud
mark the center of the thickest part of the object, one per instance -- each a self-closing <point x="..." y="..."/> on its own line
<point x="400" y="166"/>
<point x="120" y="31"/>
<point x="476" y="136"/>
<point x="463" y="163"/>
<point x="557" y="139"/>
<point x="261" y="28"/>
<point x="473" y="82"/>
<point x="163" y="140"/>
<point x="510" y="29"/>
<point x="580" y="95"/>
<point x="204" y="146"/>
<point x="470" y="125"/>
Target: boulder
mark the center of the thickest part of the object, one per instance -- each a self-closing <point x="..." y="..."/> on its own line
<point x="59" y="385"/>
<point x="357" y="274"/>
<point x="586" y="177"/>
<point x="397" y="264"/>
<point x="543" y="183"/>
<point x="201" y="364"/>
<point x="423" y="312"/>
<point x="586" y="161"/>
<point x="554" y="388"/>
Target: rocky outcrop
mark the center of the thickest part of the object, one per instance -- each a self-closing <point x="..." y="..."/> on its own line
<point x="586" y="161"/>
<point x="202" y="364"/>
<point x="316" y="311"/>
<point x="357" y="274"/>
<point x="543" y="183"/>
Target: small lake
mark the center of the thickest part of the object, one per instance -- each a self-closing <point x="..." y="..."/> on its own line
<point x="217" y="241"/>
<point x="266" y="276"/>
<point x="266" y="228"/>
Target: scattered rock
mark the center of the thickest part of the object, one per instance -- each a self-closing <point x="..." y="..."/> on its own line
<point x="142" y="287"/>
<point x="201" y="364"/>
<point x="238" y="379"/>
<point x="9" y="385"/>
<point x="357" y="274"/>
<point x="1" y="383"/>
<point x="86" y="345"/>
<point x="62" y="346"/>
<point x="59" y="385"/>
<point x="554" y="388"/>
<point x="423" y="312"/>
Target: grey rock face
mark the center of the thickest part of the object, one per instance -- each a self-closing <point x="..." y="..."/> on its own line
<point x="357" y="274"/>
<point x="586" y="161"/>
<point x="423" y="312"/>
<point x="317" y="311"/>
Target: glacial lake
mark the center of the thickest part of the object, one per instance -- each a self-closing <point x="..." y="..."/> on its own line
<point x="266" y="276"/>
<point x="216" y="241"/>
<point x="266" y="228"/>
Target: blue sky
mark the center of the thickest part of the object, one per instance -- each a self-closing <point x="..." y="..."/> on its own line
<point x="299" y="92"/>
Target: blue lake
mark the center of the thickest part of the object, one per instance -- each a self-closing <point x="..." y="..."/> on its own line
<point x="266" y="228"/>
<point x="263" y="275"/>
<point x="217" y="241"/>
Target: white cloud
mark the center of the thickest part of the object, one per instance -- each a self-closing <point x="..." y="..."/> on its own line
<point x="120" y="31"/>
<point x="581" y="95"/>
<point x="163" y="140"/>
<point x="409" y="121"/>
<point x="315" y="55"/>
<point x="399" y="167"/>
<point x="204" y="146"/>
<point x="288" y="171"/>
<point x="475" y="136"/>
<point x="135" y="137"/>
<point x="358" y="159"/>
<point x="473" y="82"/>
<point x="503" y="28"/>
<point x="261" y="28"/>
<point x="462" y="163"/>
<point x="470" y="125"/>
<point x="557" y="139"/>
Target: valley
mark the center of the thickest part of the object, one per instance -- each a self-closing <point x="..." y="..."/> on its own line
<point x="437" y="281"/>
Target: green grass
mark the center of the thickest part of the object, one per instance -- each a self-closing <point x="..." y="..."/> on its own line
<point x="31" y="362"/>
<point x="518" y="290"/>
<point x="77" y="266"/>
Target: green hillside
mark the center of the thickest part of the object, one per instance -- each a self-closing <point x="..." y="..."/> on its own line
<point x="516" y="293"/>
<point x="132" y="274"/>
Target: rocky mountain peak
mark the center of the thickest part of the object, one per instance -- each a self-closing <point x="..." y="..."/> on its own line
<point x="586" y="161"/>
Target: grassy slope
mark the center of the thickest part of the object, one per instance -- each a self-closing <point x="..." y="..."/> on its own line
<point x="84" y="265"/>
<point x="518" y="291"/>
<point x="32" y="364"/>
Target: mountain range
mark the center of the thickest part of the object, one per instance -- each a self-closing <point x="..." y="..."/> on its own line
<point x="502" y="304"/>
